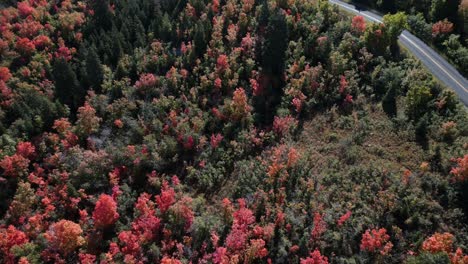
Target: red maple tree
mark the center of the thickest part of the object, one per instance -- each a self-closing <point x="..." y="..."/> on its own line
<point x="105" y="212"/>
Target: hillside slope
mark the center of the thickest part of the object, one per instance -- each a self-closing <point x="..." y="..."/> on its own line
<point x="237" y="131"/>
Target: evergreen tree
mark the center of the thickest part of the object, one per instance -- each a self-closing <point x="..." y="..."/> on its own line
<point x="121" y="70"/>
<point x="102" y="14"/>
<point x="261" y="28"/>
<point x="438" y="10"/>
<point x="116" y="49"/>
<point x="272" y="61"/>
<point x="165" y="28"/>
<point x="139" y="33"/>
<point x="421" y="131"/>
<point x="67" y="88"/>
<point x="276" y="43"/>
<point x="389" y="102"/>
<point x="125" y="35"/>
<point x="199" y="39"/>
<point x="264" y="15"/>
<point x="436" y="160"/>
<point x="33" y="112"/>
<point x="94" y="71"/>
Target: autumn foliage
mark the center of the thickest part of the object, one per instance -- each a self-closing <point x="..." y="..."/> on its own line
<point x="443" y="27"/>
<point x="460" y="171"/>
<point x="65" y="236"/>
<point x="438" y="243"/>
<point x="105" y="213"/>
<point x="235" y="131"/>
<point x="5" y="74"/>
<point x="315" y="258"/>
<point x="10" y="237"/>
<point x="376" y="241"/>
<point x="443" y="243"/>
<point x="358" y="24"/>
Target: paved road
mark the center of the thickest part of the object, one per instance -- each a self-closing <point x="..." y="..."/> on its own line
<point x="439" y="67"/>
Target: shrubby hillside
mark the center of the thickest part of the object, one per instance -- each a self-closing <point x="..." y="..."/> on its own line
<point x="223" y="131"/>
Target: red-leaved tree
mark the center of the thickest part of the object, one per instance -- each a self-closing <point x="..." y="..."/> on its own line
<point x="10" y="237"/>
<point x="315" y="258"/>
<point x="358" y="24"/>
<point x="376" y="240"/>
<point x="5" y="74"/>
<point x="65" y="236"/>
<point x="105" y="213"/>
<point x="442" y="28"/>
<point x="438" y="243"/>
<point x="460" y="172"/>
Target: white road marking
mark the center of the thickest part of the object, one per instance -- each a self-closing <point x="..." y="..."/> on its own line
<point x="435" y="62"/>
<point x="409" y="40"/>
<point x="355" y="11"/>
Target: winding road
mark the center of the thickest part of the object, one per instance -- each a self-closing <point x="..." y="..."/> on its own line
<point x="435" y="63"/>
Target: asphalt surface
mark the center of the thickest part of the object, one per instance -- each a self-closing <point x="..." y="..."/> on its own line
<point x="436" y="64"/>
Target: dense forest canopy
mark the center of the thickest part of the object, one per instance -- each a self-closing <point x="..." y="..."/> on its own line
<point x="223" y="131"/>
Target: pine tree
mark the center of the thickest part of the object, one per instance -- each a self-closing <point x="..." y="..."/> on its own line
<point x="125" y="35"/>
<point x="264" y="15"/>
<point x="67" y="88"/>
<point x="165" y="28"/>
<point x="272" y="61"/>
<point x="199" y="39"/>
<point x="102" y="14"/>
<point x="94" y="71"/>
<point x="389" y="102"/>
<point x="117" y="49"/>
<point x="421" y="131"/>
<point x="139" y="31"/>
<point x="436" y="159"/>
<point x="438" y="10"/>
<point x="261" y="28"/>
<point x="276" y="43"/>
<point x="121" y="70"/>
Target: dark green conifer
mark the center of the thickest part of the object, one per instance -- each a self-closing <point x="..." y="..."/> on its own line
<point x="67" y="88"/>
<point x="94" y="71"/>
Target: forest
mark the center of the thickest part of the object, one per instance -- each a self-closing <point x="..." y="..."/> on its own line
<point x="227" y="131"/>
<point x="441" y="23"/>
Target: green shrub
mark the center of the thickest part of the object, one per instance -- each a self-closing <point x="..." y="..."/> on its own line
<point x="428" y="258"/>
<point x="417" y="101"/>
